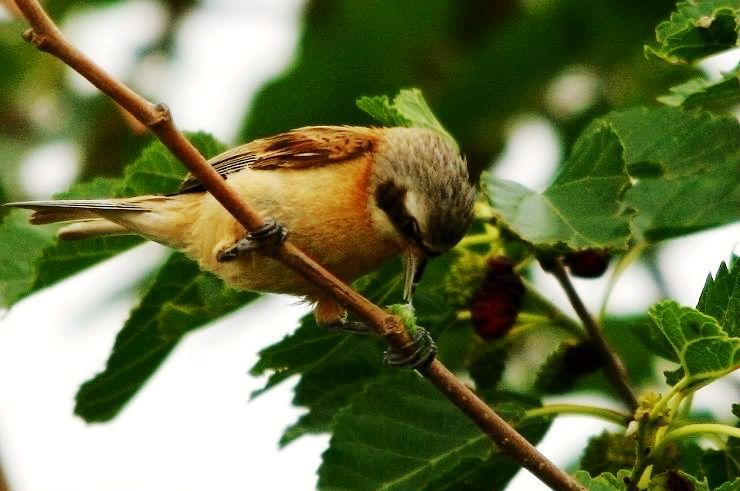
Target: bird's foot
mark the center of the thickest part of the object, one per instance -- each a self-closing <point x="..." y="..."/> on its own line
<point x="267" y="239"/>
<point x="424" y="351"/>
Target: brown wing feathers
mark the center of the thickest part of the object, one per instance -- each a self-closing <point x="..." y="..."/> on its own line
<point x="302" y="148"/>
<point x="314" y="146"/>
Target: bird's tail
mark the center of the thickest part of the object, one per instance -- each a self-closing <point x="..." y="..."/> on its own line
<point x="149" y="216"/>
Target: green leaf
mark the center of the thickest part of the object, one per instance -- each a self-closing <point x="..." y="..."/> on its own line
<point x="67" y="258"/>
<point x="697" y="29"/>
<point x="408" y="109"/>
<point x="730" y="485"/>
<point x="603" y="482"/>
<point x="722" y="465"/>
<point x="720" y="297"/>
<point x="20" y="247"/>
<point x="28" y="254"/>
<point x="35" y="261"/>
<point x="380" y="107"/>
<point x="719" y="95"/>
<point x="157" y="171"/>
<point x="682" y="178"/>
<point x="684" y="165"/>
<point x="581" y="208"/>
<point x="494" y="473"/>
<point x="703" y="349"/>
<point x="398" y="434"/>
<point x="180" y="299"/>
<point x="335" y="366"/>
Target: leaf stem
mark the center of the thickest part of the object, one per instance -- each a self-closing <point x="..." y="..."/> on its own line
<point x="613" y="367"/>
<point x="693" y="429"/>
<point x="664" y="400"/>
<point x="47" y="37"/>
<point x="599" y="412"/>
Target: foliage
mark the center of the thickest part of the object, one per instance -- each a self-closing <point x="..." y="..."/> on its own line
<point x="697" y="29"/>
<point x="717" y="95"/>
<point x="636" y="174"/>
<point x="181" y="298"/>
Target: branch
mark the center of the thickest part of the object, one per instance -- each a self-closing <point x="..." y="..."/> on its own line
<point x="613" y="368"/>
<point x="47" y="37"/>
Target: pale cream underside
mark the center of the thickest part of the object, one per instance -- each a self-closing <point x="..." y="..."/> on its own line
<point x="324" y="209"/>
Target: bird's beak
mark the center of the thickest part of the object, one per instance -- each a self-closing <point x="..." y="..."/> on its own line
<point x="414" y="262"/>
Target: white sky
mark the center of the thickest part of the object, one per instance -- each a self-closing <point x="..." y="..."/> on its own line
<point x="192" y="427"/>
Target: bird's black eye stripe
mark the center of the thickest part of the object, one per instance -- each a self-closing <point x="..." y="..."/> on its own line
<point x="390" y="197"/>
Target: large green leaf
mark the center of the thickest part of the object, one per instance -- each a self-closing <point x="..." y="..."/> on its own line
<point x="721" y="295"/>
<point x="398" y="434"/>
<point x="180" y="299"/>
<point x="682" y="178"/>
<point x="581" y="209"/>
<point x="697" y="29"/>
<point x="333" y="367"/>
<point x="495" y="472"/>
<point x="696" y="341"/>
<point x="685" y="166"/>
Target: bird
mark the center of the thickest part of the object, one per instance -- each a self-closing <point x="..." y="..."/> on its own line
<point x="350" y="197"/>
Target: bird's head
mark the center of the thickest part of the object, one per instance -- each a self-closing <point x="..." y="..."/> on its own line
<point x="424" y="189"/>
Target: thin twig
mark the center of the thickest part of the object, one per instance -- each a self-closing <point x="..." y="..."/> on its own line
<point x="47" y="37"/>
<point x="613" y="367"/>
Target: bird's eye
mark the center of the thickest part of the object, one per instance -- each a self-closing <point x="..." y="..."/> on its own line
<point x="410" y="227"/>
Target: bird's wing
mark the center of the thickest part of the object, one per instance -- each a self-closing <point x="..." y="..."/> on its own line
<point x="302" y="148"/>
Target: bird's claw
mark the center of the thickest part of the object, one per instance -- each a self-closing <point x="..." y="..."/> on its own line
<point x="425" y="349"/>
<point x="267" y="238"/>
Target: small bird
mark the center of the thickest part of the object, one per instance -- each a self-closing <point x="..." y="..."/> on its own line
<point x="350" y="197"/>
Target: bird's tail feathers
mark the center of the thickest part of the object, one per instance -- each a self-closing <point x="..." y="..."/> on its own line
<point x="83" y="229"/>
<point x="158" y="218"/>
<point x="78" y="209"/>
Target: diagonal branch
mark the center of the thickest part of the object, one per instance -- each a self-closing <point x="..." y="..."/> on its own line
<point x="47" y="37"/>
<point x="613" y="367"/>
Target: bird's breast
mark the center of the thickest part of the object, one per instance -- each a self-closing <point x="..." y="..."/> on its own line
<point x="327" y="214"/>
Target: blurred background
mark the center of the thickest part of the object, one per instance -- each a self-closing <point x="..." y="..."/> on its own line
<point x="515" y="81"/>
